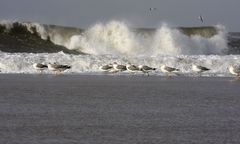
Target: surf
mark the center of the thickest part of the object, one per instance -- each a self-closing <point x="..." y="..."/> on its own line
<point x="117" y="38"/>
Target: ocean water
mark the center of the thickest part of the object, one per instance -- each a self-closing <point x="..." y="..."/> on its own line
<point x="25" y="43"/>
<point x="69" y="109"/>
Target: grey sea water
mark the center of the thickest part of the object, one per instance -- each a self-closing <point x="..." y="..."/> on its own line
<point x="43" y="109"/>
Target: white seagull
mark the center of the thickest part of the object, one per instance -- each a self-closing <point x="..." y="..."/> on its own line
<point x="118" y="67"/>
<point x="146" y="69"/>
<point x="106" y="68"/>
<point x="200" y="18"/>
<point x="199" y="69"/>
<point x="168" y="70"/>
<point x="39" y="66"/>
<point x="235" y="70"/>
<point x="58" y="68"/>
<point x="132" y="68"/>
<point x="151" y="9"/>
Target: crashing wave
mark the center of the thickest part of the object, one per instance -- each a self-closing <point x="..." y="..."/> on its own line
<point x="118" y="38"/>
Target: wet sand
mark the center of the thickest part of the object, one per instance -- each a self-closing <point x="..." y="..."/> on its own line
<point x="118" y="110"/>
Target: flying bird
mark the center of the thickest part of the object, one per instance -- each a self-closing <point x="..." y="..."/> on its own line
<point x="152" y="9"/>
<point x="200" y="18"/>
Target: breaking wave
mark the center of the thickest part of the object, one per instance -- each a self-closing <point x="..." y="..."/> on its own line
<point x="117" y="38"/>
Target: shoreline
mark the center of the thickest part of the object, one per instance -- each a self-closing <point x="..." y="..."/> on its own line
<point x="120" y="75"/>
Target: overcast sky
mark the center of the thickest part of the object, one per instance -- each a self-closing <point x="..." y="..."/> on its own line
<point x="84" y="13"/>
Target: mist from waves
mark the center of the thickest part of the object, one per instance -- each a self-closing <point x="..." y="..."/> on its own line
<point x="117" y="38"/>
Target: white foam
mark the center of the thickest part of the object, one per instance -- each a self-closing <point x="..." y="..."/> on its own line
<point x="39" y="29"/>
<point x="7" y="24"/>
<point x="22" y="62"/>
<point x="172" y="42"/>
<point x="116" y="38"/>
<point x="115" y="42"/>
<point x="112" y="38"/>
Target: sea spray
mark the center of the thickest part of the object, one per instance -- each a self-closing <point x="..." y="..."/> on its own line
<point x="169" y="41"/>
<point x="117" y="38"/>
<point x="112" y="38"/>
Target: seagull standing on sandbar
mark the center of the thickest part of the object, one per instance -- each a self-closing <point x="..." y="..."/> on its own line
<point x="132" y="68"/>
<point x="118" y="67"/>
<point x="39" y="66"/>
<point x="235" y="70"/>
<point x="106" y="68"/>
<point x="199" y="69"/>
<point x="168" y="70"/>
<point x="58" y="68"/>
<point x="146" y="69"/>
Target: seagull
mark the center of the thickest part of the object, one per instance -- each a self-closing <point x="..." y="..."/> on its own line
<point x="118" y="67"/>
<point x="146" y="69"/>
<point x="58" y="68"/>
<point x="167" y="69"/>
<point x="151" y="9"/>
<point x="106" y="68"/>
<point x="132" y="68"/>
<point x="235" y="70"/>
<point x="39" y="66"/>
<point x="200" y="18"/>
<point x="199" y="69"/>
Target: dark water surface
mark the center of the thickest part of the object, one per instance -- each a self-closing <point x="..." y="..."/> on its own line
<point x="82" y="109"/>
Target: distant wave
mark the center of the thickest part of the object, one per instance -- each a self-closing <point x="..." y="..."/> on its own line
<point x="114" y="38"/>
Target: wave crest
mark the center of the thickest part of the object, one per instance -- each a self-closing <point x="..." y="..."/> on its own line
<point x="112" y="38"/>
<point x="118" y="38"/>
<point x="172" y="42"/>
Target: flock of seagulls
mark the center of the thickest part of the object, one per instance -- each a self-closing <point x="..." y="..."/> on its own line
<point x="115" y="67"/>
<point x="146" y="69"/>
<point x="235" y="70"/>
<point x="57" y="68"/>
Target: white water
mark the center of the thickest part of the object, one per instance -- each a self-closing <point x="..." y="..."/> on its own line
<point x="22" y="63"/>
<point x="115" y="42"/>
<point x="116" y="38"/>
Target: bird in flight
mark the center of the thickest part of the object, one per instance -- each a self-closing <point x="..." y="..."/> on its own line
<point x="152" y="9"/>
<point x="200" y="18"/>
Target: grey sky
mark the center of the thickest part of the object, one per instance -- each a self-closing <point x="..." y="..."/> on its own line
<point x="84" y="13"/>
